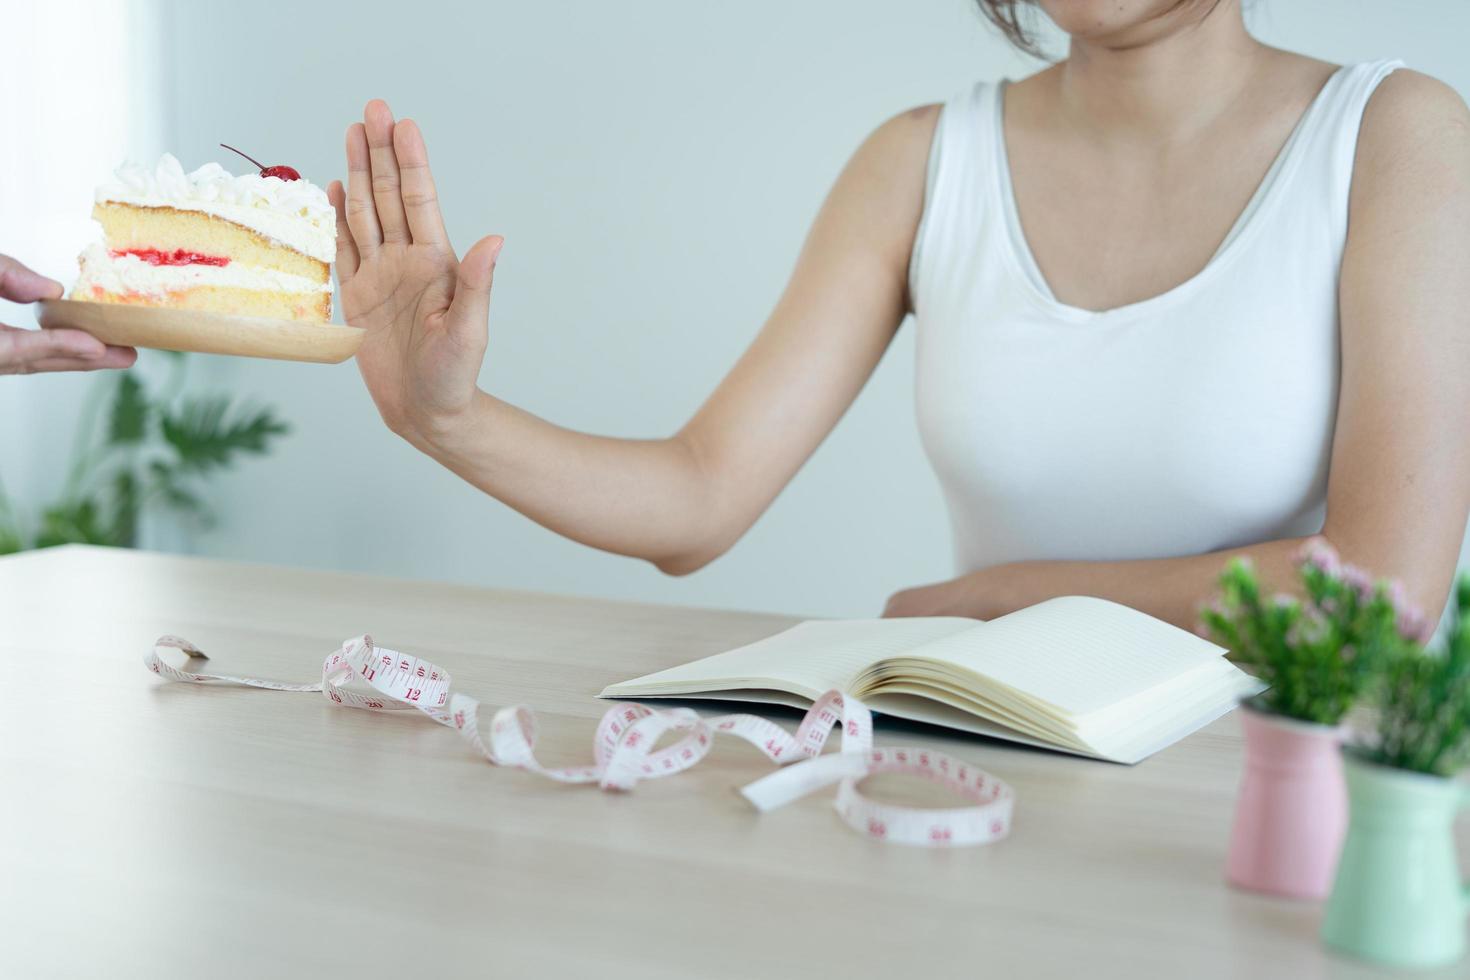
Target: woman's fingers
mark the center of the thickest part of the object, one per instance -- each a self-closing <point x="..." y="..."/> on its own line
<point x="63" y="349"/>
<point x="362" y="215"/>
<point x="117" y="357"/>
<point x="469" y="313"/>
<point x="390" y="194"/>
<point x="347" y="258"/>
<point x="420" y="201"/>
<point x="19" y="284"/>
<point x="387" y="187"/>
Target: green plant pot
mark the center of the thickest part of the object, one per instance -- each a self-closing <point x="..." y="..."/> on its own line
<point x="1398" y="899"/>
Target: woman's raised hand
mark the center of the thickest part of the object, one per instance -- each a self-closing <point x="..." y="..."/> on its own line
<point x="425" y="311"/>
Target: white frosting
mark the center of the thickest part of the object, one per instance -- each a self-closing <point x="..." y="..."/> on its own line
<point x="130" y="274"/>
<point x="295" y="213"/>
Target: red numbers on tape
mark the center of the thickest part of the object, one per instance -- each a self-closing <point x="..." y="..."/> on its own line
<point x="359" y="675"/>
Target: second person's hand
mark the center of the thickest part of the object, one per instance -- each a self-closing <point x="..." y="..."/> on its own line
<point x="35" y="351"/>
<point x="426" y="311"/>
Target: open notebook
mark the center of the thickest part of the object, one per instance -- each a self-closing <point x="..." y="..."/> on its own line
<point x="1078" y="674"/>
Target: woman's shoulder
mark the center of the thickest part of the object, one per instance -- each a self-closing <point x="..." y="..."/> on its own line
<point x="1409" y="103"/>
<point x="1411" y="172"/>
<point x="1412" y="121"/>
<point x="907" y="128"/>
<point x="899" y="146"/>
<point x="911" y="133"/>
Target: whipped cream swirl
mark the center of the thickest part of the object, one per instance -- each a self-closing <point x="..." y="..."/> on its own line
<point x="294" y="213"/>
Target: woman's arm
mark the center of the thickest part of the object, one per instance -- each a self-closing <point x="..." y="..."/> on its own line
<point x="678" y="502"/>
<point x="1399" y="484"/>
<point x="1169" y="588"/>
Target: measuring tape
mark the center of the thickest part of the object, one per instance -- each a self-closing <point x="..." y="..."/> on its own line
<point x="364" y="675"/>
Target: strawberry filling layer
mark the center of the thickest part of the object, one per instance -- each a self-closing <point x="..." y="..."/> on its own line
<point x="178" y="256"/>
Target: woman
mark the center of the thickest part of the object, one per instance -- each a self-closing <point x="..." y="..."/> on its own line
<point x="1178" y="295"/>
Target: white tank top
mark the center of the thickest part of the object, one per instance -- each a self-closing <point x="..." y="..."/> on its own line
<point x="1197" y="420"/>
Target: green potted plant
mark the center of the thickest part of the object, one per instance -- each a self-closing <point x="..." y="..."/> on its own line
<point x="1398" y="899"/>
<point x="1317" y="653"/>
<point x="142" y="449"/>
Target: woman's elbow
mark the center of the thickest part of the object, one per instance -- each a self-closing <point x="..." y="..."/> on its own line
<point x="708" y="526"/>
<point x="697" y="553"/>
<point x="681" y="565"/>
<point x="687" y="562"/>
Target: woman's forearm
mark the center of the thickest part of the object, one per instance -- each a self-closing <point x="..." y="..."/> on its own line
<point x="1169" y="588"/>
<point x="1173" y="588"/>
<point x="646" y="499"/>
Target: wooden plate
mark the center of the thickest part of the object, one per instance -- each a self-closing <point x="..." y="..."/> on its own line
<point x="205" y="333"/>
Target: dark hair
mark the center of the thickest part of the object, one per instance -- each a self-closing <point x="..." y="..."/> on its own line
<point x="1007" y="16"/>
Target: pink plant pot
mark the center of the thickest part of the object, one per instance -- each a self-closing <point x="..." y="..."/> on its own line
<point x="1291" y="814"/>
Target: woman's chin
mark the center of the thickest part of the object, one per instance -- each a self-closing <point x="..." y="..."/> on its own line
<point x="1123" y="23"/>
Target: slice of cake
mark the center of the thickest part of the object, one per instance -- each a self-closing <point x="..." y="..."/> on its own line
<point x="259" y="244"/>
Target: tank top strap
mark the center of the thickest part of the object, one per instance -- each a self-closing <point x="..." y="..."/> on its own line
<point x="961" y="161"/>
<point x="1328" y="132"/>
<point x="1333" y="128"/>
<point x="1317" y="164"/>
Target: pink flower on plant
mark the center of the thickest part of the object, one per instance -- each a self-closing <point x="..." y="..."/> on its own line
<point x="1414" y="625"/>
<point x="1201" y="628"/>
<point x="1359" y="581"/>
<point x="1411" y="622"/>
<point x="1320" y="555"/>
<point x="1310" y="629"/>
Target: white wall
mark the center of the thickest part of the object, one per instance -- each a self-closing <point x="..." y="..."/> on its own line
<point x="64" y="115"/>
<point x="653" y="166"/>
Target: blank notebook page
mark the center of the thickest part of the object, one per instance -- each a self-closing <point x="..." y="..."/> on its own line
<point x="1076" y="652"/>
<point x="816" y="656"/>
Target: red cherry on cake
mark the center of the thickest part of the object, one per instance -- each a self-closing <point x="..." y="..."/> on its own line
<point x="281" y="171"/>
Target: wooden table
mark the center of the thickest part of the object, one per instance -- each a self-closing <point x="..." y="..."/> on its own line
<point x="158" y="830"/>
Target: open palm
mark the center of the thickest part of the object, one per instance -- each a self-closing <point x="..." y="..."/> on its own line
<point x="425" y="311"/>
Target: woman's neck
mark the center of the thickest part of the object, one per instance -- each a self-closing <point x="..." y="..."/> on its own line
<point x="1164" y="80"/>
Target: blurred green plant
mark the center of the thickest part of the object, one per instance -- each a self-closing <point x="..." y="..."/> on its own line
<point x="1318" y="654"/>
<point x="1423" y="702"/>
<point x="139" y="451"/>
